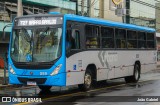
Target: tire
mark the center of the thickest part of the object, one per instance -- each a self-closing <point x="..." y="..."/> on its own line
<point x="88" y="81"/>
<point x="136" y="75"/>
<point x="44" y="88"/>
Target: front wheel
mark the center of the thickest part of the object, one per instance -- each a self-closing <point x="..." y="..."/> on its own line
<point x="88" y="80"/>
<point x="136" y="75"/>
<point x="44" y="88"/>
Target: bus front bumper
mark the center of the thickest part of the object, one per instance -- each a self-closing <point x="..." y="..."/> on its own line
<point x="57" y="80"/>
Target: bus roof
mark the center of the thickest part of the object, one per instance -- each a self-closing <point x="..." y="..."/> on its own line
<point x="107" y="23"/>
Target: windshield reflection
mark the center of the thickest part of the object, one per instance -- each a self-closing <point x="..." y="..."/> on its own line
<point x="36" y="45"/>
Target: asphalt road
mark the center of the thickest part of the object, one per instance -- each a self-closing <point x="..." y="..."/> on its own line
<point x="112" y="92"/>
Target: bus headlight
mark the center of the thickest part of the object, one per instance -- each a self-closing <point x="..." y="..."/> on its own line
<point x="56" y="70"/>
<point x="11" y="70"/>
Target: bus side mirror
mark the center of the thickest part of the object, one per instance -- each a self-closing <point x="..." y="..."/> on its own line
<point x="4" y="34"/>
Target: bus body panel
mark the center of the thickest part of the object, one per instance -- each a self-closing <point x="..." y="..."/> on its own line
<point x="107" y="23"/>
<point x="57" y="80"/>
<point x="34" y="75"/>
<point x="109" y="64"/>
<point x="116" y="63"/>
<point x="37" y="74"/>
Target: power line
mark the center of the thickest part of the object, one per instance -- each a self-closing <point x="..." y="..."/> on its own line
<point x="94" y="3"/>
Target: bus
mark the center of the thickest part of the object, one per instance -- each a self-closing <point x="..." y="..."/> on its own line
<point x="64" y="49"/>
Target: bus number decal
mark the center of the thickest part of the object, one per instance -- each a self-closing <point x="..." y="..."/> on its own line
<point x="79" y="63"/>
<point x="43" y="73"/>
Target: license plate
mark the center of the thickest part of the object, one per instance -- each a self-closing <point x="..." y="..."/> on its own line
<point x="31" y="83"/>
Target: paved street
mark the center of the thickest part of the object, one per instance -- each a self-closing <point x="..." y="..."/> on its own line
<point x="102" y="94"/>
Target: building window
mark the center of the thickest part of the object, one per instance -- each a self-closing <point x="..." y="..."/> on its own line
<point x="4" y="16"/>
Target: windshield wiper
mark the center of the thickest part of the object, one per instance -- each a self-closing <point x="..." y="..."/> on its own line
<point x="26" y="35"/>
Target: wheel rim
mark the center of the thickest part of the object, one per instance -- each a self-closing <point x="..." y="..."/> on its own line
<point x="87" y="80"/>
<point x="136" y="73"/>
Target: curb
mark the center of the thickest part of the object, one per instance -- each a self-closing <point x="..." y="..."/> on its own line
<point x="9" y="86"/>
<point x="2" y="87"/>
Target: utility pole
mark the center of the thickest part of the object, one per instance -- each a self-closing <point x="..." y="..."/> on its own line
<point x="82" y="7"/>
<point x="76" y="1"/>
<point x="76" y="7"/>
<point x="88" y="7"/>
<point x="20" y="8"/>
<point x="101" y="8"/>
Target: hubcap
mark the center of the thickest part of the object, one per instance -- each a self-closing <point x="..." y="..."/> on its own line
<point x="87" y="80"/>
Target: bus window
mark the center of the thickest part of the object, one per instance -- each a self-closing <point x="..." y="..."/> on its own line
<point x="68" y="40"/>
<point x="107" y="37"/>
<point x="150" y="40"/>
<point x="72" y="39"/>
<point x="75" y="39"/>
<point x="92" y="36"/>
<point x="141" y="40"/>
<point x="120" y="35"/>
<point x="131" y="39"/>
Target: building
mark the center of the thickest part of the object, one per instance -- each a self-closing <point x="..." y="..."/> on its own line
<point x="105" y="9"/>
<point x="142" y="12"/>
<point x="145" y="13"/>
<point x="158" y="28"/>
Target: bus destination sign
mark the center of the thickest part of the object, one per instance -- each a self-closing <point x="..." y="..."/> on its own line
<point x="36" y="21"/>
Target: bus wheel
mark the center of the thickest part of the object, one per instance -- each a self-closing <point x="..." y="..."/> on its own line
<point x="44" y="88"/>
<point x="136" y="75"/>
<point x="87" y="81"/>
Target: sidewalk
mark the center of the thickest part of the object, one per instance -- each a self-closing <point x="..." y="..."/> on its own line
<point x="2" y="85"/>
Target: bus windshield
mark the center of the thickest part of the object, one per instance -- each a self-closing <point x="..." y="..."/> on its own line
<point x="32" y="44"/>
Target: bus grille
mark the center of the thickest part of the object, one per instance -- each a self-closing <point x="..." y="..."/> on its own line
<point x="37" y="80"/>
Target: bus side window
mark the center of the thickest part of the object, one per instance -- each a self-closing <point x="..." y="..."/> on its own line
<point x="141" y="40"/>
<point x="72" y="39"/>
<point x="150" y="41"/>
<point x="107" y="37"/>
<point x="120" y="38"/>
<point x="92" y="36"/>
<point x="131" y="39"/>
<point x="68" y="41"/>
<point x="75" y="39"/>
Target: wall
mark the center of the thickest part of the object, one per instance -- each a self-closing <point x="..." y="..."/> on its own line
<point x="110" y="14"/>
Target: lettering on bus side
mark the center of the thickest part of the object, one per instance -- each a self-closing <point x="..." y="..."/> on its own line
<point x="106" y="57"/>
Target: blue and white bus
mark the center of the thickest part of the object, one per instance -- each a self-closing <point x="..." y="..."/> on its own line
<point x="61" y="50"/>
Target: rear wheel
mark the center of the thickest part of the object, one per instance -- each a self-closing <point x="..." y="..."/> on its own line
<point x="88" y="80"/>
<point x="44" y="88"/>
<point x="136" y="75"/>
